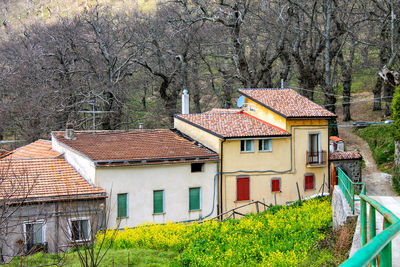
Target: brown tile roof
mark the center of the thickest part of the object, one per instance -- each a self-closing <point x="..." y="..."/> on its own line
<point x="224" y="110"/>
<point x="136" y="145"/>
<point x="335" y="138"/>
<point x="287" y="103"/>
<point x="43" y="179"/>
<point x="344" y="155"/>
<point x="230" y="125"/>
<point x="37" y="149"/>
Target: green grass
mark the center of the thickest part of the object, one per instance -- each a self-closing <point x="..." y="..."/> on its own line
<point x="380" y="139"/>
<point x="114" y="257"/>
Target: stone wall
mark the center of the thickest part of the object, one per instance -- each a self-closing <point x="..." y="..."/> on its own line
<point x="341" y="211"/>
<point x="351" y="167"/>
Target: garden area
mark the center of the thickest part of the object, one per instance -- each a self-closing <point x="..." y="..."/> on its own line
<point x="299" y="235"/>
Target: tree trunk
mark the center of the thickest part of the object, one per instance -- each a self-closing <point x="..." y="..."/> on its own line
<point x="377" y="94"/>
<point x="388" y="91"/>
<point x="196" y="88"/>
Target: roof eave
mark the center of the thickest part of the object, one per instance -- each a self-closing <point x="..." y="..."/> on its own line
<point x="198" y="126"/>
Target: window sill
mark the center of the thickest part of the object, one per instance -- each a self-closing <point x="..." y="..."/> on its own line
<point x="161" y="213"/>
<point x="316" y="165"/>
<point x="241" y="201"/>
<point x="309" y="189"/>
<point x="264" y="151"/>
<point x="121" y="218"/>
<point x="276" y="191"/>
<point x="246" y="152"/>
<point x="194" y="210"/>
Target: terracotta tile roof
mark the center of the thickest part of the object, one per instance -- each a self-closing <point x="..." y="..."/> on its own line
<point x="43" y="179"/>
<point x="224" y="110"/>
<point x="136" y="145"/>
<point x="287" y="103"/>
<point x="37" y="149"/>
<point x="344" y="155"/>
<point x="335" y="138"/>
<point x="228" y="125"/>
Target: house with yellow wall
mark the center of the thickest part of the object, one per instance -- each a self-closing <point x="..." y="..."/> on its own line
<point x="273" y="149"/>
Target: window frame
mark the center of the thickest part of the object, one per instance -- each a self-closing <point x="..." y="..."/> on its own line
<point x="261" y="143"/>
<point x="42" y="222"/>
<point x="127" y="207"/>
<point x="163" y="202"/>
<point x="241" y="177"/>
<point x="280" y="184"/>
<point x="304" y="181"/>
<point x="243" y="141"/>
<point x="88" y="228"/>
<point x="319" y="149"/>
<point x="200" y="198"/>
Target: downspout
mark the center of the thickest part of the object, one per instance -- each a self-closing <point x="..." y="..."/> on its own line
<point x="221" y="177"/>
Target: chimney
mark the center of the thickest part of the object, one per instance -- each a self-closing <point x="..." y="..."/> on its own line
<point x="140" y="125"/>
<point x="185" y="102"/>
<point x="69" y="131"/>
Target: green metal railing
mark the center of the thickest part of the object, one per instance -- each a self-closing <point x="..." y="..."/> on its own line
<point x="348" y="188"/>
<point x="376" y="250"/>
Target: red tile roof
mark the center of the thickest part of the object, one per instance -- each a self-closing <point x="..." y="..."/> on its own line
<point x="229" y="125"/>
<point x="286" y="102"/>
<point x="43" y="179"/>
<point x="224" y="110"/>
<point x="335" y="138"/>
<point x="37" y="149"/>
<point x="136" y="145"/>
<point x="344" y="155"/>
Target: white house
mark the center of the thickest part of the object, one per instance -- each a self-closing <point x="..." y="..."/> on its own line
<point x="152" y="176"/>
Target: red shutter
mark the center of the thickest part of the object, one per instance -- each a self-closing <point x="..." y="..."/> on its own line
<point x="276" y="185"/>
<point x="309" y="182"/>
<point x="243" y="188"/>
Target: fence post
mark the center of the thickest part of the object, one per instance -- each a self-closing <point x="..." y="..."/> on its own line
<point x="386" y="253"/>
<point x="363" y="222"/>
<point x="372" y="228"/>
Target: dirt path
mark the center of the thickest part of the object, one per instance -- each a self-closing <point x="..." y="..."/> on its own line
<point x="377" y="183"/>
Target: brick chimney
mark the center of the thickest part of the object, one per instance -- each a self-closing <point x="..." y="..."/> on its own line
<point x="69" y="131"/>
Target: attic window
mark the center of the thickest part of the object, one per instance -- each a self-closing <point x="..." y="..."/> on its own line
<point x="197" y="167"/>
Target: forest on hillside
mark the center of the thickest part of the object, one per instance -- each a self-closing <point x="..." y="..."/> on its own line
<point x="130" y="60"/>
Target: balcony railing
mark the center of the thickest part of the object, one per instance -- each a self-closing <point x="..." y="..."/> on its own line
<point x="316" y="157"/>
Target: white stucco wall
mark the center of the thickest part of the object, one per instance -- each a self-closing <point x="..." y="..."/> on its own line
<point x="140" y="182"/>
<point x="83" y="165"/>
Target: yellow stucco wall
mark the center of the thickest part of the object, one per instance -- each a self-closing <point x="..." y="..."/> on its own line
<point x="207" y="139"/>
<point x="265" y="114"/>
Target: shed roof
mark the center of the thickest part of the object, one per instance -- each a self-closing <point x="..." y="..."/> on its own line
<point x="287" y="103"/>
<point x="344" y="155"/>
<point x="137" y="146"/>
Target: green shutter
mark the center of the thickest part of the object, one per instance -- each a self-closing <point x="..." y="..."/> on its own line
<point x="158" y="201"/>
<point x="194" y="198"/>
<point x="122" y="205"/>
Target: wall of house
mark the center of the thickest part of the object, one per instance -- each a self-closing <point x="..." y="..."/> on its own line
<point x="55" y="217"/>
<point x="265" y="114"/>
<point x="207" y="139"/>
<point x="351" y="167"/>
<point x="83" y="165"/>
<point x="277" y="160"/>
<point x="140" y="182"/>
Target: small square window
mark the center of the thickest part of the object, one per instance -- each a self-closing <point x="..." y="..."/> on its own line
<point x="34" y="235"/>
<point x="276" y="185"/>
<point x="265" y="145"/>
<point x="247" y="146"/>
<point x="309" y="181"/>
<point x="197" y="167"/>
<point x="194" y="198"/>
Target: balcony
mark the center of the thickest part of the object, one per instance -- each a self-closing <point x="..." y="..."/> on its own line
<point x="316" y="158"/>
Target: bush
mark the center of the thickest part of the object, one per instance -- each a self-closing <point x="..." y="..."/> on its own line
<point x="283" y="236"/>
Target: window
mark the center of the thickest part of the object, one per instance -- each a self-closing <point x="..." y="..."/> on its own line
<point x="276" y="185"/>
<point x="194" y="198"/>
<point x="80" y="230"/>
<point x="309" y="182"/>
<point x="122" y="205"/>
<point x="314" y="148"/>
<point x="265" y="145"/>
<point x="34" y="234"/>
<point x="158" y="201"/>
<point x="247" y="146"/>
<point x="243" y="188"/>
<point x="197" y="167"/>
